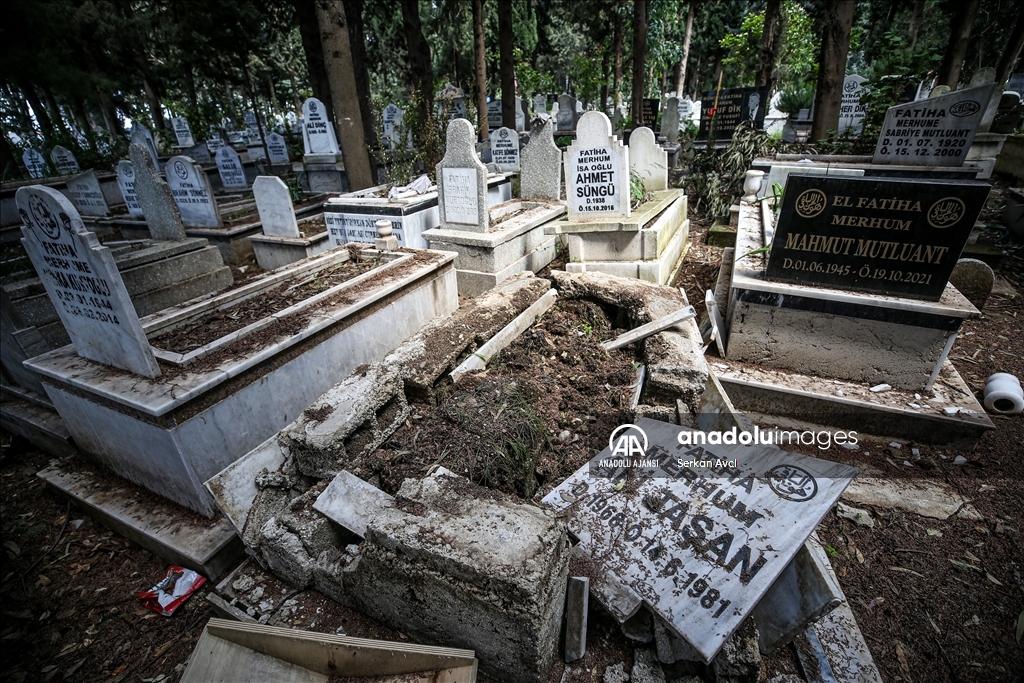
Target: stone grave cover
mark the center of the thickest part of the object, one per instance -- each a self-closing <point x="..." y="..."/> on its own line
<point x="274" y="203"/>
<point x="278" y="148"/>
<point x="596" y="171"/>
<point x="183" y="132"/>
<point x="35" y="163"/>
<point x="937" y="131"/>
<point x="83" y="283"/>
<point x="87" y="195"/>
<point x="462" y="181"/>
<point x="698" y="532"/>
<point x="65" y="161"/>
<point x="851" y="111"/>
<point x="899" y="237"/>
<point x="317" y="129"/>
<point x="126" y="181"/>
<point x="505" y="149"/>
<point x="734" y="105"/>
<point x="192" y="193"/>
<point x="229" y="166"/>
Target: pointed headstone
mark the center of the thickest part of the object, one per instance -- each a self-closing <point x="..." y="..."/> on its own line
<point x="229" y="166"/>
<point x="540" y="104"/>
<point x="83" y="283"/>
<point x="648" y="159"/>
<point x="192" y="193"/>
<point x="183" y="132"/>
<point x="566" y="119"/>
<point x="126" y="182"/>
<point x="87" y="195"/>
<point x="596" y="171"/>
<point x="64" y="160"/>
<point x="252" y="128"/>
<point x="317" y="129"/>
<point x="462" y="181"/>
<point x="35" y="163"/>
<point x="274" y="202"/>
<point x="505" y="149"/>
<point x="155" y="197"/>
<point x="142" y="136"/>
<point x="670" y="120"/>
<point x="540" y="174"/>
<point x="851" y="111"/>
<point x="278" y="148"/>
<point x="494" y="114"/>
<point x="391" y="121"/>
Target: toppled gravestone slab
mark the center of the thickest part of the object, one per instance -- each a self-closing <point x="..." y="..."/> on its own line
<point x="676" y="368"/>
<point x="699" y="532"/>
<point x="459" y="565"/>
<point x="434" y="351"/>
<point x="351" y="419"/>
<point x="291" y="541"/>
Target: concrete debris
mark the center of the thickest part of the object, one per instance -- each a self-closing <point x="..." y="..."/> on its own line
<point x="616" y="674"/>
<point x="855" y="515"/>
<point x="678" y="656"/>
<point x="922" y="497"/>
<point x="285" y="555"/>
<point x="639" y="627"/>
<point x="646" y="668"/>
<point x="739" y="660"/>
<point x="577" y="602"/>
<point x="785" y="678"/>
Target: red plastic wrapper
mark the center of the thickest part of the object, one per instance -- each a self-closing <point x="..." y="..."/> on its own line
<point x="172" y="591"/>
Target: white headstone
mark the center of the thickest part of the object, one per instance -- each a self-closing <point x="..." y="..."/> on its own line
<point x="851" y="111"/>
<point x="87" y="195"/>
<point x="183" y="131"/>
<point x="553" y="114"/>
<point x="317" y="129"/>
<point x="670" y="119"/>
<point x="648" y="159"/>
<point x="462" y="181"/>
<point x="521" y="109"/>
<point x="933" y="132"/>
<point x="505" y="149"/>
<point x="685" y="108"/>
<point x="391" y="122"/>
<point x="274" y="202"/>
<point x="540" y="104"/>
<point x="192" y="193"/>
<point x="141" y="136"/>
<point x="596" y="171"/>
<point x="155" y="198"/>
<point x="126" y="181"/>
<point x="65" y="161"/>
<point x="278" y="148"/>
<point x="494" y="114"/>
<point x="540" y="175"/>
<point x="214" y="143"/>
<point x="252" y="128"/>
<point x="83" y="283"/>
<point x="229" y="165"/>
<point x="567" y="115"/>
<point x="35" y="163"/>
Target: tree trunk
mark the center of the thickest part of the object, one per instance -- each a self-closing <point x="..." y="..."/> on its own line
<point x="54" y="109"/>
<point x="506" y="64"/>
<point x="639" y="59"/>
<point x="605" y="73"/>
<point x="1011" y="52"/>
<point x="419" y="59"/>
<point x="961" y="24"/>
<point x="45" y="124"/>
<point x="357" y="41"/>
<point x="331" y="19"/>
<point x="770" y="35"/>
<point x="681" y="75"/>
<point x="155" y="111"/>
<point x="915" y="22"/>
<point x="480" y="56"/>
<point x="617" y="40"/>
<point x="272" y="92"/>
<point x="190" y="87"/>
<point x="309" y="31"/>
<point x="8" y="162"/>
<point x="836" y="24"/>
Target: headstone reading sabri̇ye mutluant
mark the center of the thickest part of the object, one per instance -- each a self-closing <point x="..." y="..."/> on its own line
<point x="183" y="132"/>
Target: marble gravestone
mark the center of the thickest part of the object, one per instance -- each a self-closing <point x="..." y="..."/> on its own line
<point x="141" y="136"/>
<point x="183" y="132"/>
<point x="505" y="149"/>
<point x="156" y="199"/>
<point x="192" y="193"/>
<point x="317" y="129"/>
<point x="35" y="163"/>
<point x="540" y="174"/>
<point x="851" y="111"/>
<point x="82" y="281"/>
<point x="64" y="161"/>
<point x="521" y="114"/>
<point x="494" y="114"/>
<point x="87" y="195"/>
<point x="898" y="237"/>
<point x="540" y="104"/>
<point x="565" y="119"/>
<point x="462" y="182"/>
<point x="252" y="128"/>
<point x="392" y="122"/>
<point x="274" y="203"/>
<point x="670" y="120"/>
<point x="648" y="159"/>
<point x="685" y="109"/>
<point x="229" y="166"/>
<point x="596" y="171"/>
<point x="934" y="132"/>
<point x="278" y="148"/>
<point x="126" y="182"/>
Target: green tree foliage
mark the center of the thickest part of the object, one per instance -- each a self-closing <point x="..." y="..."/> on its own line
<point x="798" y="66"/>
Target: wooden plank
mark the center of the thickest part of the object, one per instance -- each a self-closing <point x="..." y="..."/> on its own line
<point x="215" y="660"/>
<point x="505" y="336"/>
<point x="340" y="655"/>
<point x="653" y="327"/>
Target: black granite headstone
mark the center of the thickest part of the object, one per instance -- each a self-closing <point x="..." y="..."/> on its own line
<point x="896" y="237"/>
<point x="649" y="113"/>
<point x="734" y="105"/>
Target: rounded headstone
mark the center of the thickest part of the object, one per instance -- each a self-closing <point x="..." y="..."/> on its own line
<point x="974" y="279"/>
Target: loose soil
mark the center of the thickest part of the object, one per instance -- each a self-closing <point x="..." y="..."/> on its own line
<point x="313" y="227"/>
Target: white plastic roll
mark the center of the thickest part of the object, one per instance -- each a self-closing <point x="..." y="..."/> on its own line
<point x="1003" y="394"/>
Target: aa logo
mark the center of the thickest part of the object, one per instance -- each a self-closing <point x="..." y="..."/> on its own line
<point x="628" y="441"/>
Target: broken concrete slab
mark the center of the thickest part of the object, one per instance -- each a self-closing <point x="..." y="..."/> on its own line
<point x="640" y="627"/>
<point x="856" y="515"/>
<point x="922" y="497"/>
<point x="352" y="503"/>
<point x="284" y="553"/>
<point x="234" y="488"/>
<point x="577" y="602"/>
<point x="739" y="660"/>
<point x="646" y="668"/>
